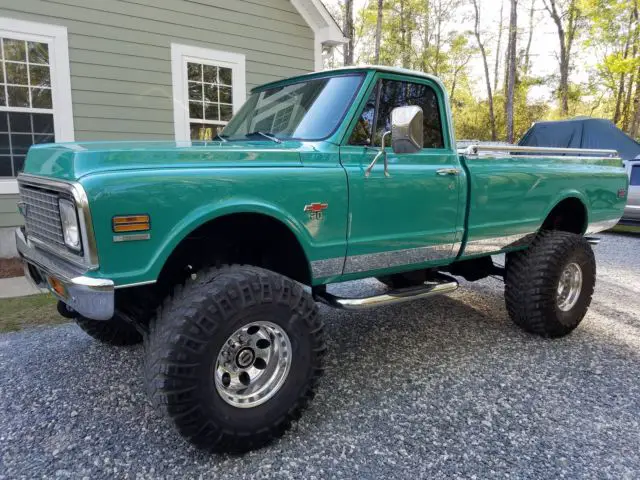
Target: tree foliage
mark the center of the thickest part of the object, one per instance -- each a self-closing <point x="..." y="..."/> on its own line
<point x="442" y="37"/>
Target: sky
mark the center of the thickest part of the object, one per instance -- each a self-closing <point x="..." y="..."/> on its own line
<point x="544" y="46"/>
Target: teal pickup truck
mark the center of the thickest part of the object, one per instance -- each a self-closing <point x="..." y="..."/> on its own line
<point x="215" y="253"/>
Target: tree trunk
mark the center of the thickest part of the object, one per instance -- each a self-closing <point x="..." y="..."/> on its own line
<point x="348" y="31"/>
<point x="438" y="13"/>
<point x="505" y="82"/>
<point x="564" y="82"/>
<point x="527" y="59"/>
<point x="567" y="26"/>
<point x="405" y="37"/>
<point x="618" y="114"/>
<point x="626" y="111"/>
<point x="513" y="30"/>
<point x="426" y="41"/>
<point x="497" y="65"/>
<point x="635" y="122"/>
<point x="378" y="32"/>
<point x="487" y="76"/>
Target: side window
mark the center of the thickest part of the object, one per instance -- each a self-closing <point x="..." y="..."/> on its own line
<point x="635" y="175"/>
<point x="362" y="132"/>
<point x="399" y="94"/>
<point x="425" y="97"/>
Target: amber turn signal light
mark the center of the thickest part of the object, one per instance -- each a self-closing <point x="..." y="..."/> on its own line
<point x="131" y="223"/>
<point x="57" y="286"/>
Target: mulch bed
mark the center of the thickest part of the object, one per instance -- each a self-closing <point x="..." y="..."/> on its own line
<point x="11" y="267"/>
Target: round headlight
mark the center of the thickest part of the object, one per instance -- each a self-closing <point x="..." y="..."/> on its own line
<point x="69" y="220"/>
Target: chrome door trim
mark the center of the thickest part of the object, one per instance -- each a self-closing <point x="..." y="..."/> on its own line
<point x="329" y="267"/>
<point x="596" y="227"/>
<point x="394" y="258"/>
<point x="496" y="244"/>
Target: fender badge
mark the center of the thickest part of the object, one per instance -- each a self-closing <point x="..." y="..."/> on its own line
<point x="315" y="207"/>
<point x="314" y="210"/>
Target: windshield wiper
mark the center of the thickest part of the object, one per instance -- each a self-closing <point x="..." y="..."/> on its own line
<point x="220" y="137"/>
<point x="268" y="135"/>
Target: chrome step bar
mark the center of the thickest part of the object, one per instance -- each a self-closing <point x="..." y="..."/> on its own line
<point x="592" y="240"/>
<point x="428" y="289"/>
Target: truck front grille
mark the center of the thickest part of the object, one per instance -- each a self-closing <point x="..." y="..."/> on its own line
<point x="42" y="215"/>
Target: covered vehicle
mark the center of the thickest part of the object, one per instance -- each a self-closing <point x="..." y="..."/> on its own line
<point x="582" y="133"/>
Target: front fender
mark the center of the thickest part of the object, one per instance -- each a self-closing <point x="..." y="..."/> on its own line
<point x="210" y="212"/>
<point x="180" y="200"/>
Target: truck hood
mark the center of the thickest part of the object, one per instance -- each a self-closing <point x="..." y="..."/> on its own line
<point x="72" y="161"/>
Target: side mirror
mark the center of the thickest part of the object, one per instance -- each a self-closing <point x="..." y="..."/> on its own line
<point x="407" y="129"/>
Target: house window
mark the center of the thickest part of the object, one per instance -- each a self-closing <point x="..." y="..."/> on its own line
<point x="35" y="93"/>
<point x="208" y="88"/>
<point x="210" y="99"/>
<point x="26" y="108"/>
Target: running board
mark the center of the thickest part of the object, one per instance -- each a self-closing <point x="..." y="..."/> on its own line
<point x="428" y="289"/>
<point x="592" y="240"/>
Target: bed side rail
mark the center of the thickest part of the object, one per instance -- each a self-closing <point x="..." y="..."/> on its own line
<point x="476" y="150"/>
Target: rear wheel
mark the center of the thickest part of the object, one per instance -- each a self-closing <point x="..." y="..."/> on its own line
<point x="234" y="357"/>
<point x="548" y="288"/>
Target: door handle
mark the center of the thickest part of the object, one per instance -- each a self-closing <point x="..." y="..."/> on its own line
<point x="448" y="171"/>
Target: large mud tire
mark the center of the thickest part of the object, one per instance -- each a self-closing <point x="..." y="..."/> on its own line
<point x="185" y="341"/>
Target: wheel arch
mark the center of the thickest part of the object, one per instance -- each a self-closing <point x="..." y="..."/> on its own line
<point x="207" y="217"/>
<point x="557" y="215"/>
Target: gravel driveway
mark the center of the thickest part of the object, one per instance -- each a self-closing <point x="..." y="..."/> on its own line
<point x="445" y="387"/>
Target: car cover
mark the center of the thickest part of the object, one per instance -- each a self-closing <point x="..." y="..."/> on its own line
<point x="581" y="133"/>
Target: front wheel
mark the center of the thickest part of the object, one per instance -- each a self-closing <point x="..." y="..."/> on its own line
<point x="548" y="288"/>
<point x="116" y="331"/>
<point x="234" y="356"/>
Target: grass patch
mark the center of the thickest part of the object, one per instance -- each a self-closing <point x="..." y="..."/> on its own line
<point x="626" y="229"/>
<point x="21" y="312"/>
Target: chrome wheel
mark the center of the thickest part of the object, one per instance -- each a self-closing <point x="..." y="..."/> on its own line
<point x="569" y="287"/>
<point x="253" y="364"/>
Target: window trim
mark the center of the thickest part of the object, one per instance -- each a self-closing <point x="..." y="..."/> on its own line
<point x="180" y="55"/>
<point x="57" y="38"/>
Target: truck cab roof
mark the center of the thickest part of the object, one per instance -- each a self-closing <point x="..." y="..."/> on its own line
<point x="361" y="68"/>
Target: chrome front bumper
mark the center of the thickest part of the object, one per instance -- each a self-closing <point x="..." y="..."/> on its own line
<point x="90" y="297"/>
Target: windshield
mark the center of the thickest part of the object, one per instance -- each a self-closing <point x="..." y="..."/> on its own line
<point x="308" y="110"/>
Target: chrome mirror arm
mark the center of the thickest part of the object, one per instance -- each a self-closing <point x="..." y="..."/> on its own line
<point x="381" y="153"/>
